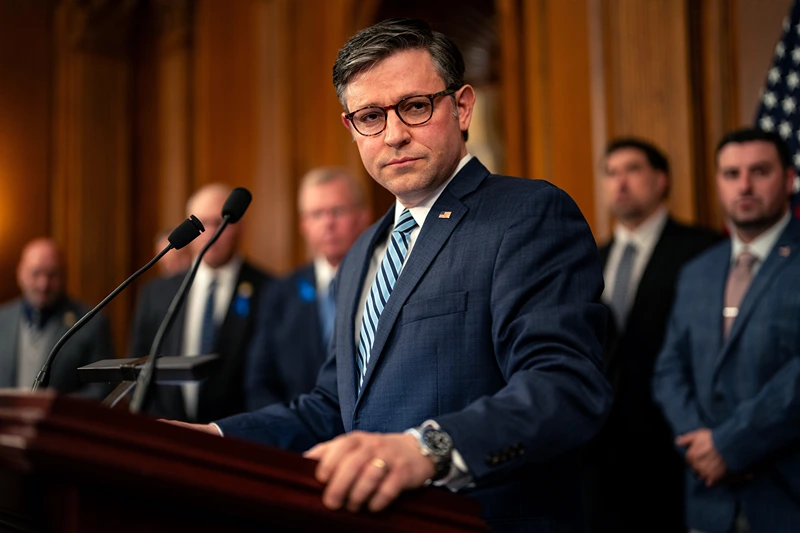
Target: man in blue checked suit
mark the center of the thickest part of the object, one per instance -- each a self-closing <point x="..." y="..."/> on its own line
<point x="294" y="322"/>
<point x="467" y="341"/>
<point x="727" y="377"/>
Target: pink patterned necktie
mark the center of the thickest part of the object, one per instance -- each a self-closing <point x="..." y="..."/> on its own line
<point x="738" y="281"/>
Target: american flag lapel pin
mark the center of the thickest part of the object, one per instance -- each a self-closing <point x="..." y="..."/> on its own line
<point x="784" y="251"/>
<point x="445" y="214"/>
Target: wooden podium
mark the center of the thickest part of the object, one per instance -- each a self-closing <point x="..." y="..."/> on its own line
<point x="69" y="465"/>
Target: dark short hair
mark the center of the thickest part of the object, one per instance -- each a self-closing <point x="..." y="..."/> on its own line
<point x="654" y="156"/>
<point x="746" y="135"/>
<point x="369" y="46"/>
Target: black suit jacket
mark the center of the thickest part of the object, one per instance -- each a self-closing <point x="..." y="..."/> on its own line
<point x="222" y="393"/>
<point x="287" y="350"/>
<point x="635" y="451"/>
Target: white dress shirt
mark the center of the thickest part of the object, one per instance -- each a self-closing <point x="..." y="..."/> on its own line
<point x="644" y="238"/>
<point x="226" y="277"/>
<point x="324" y="273"/>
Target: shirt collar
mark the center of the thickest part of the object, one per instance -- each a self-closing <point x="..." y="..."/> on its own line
<point x="420" y="212"/>
<point x="226" y="274"/>
<point x="646" y="232"/>
<point x="762" y="245"/>
<point x="324" y="273"/>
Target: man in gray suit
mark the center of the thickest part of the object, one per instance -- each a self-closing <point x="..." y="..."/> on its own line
<point x="31" y="325"/>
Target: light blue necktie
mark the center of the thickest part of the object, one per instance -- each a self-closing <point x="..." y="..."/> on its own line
<point x="208" y="334"/>
<point x="387" y="275"/>
<point x="327" y="311"/>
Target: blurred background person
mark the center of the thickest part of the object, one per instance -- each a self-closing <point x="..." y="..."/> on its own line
<point x="295" y="319"/>
<point x="175" y="261"/>
<point x="637" y="474"/>
<point x="727" y="377"/>
<point x="32" y="324"/>
<point x="216" y="318"/>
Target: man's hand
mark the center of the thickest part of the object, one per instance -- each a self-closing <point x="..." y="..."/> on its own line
<point x="370" y="468"/>
<point x="702" y="456"/>
<point x="205" y="428"/>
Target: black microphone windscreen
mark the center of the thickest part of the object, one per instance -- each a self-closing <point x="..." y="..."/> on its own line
<point x="186" y="232"/>
<point x="236" y="204"/>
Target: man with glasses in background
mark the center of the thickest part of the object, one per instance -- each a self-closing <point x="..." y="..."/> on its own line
<point x="467" y="341"/>
<point x="295" y="320"/>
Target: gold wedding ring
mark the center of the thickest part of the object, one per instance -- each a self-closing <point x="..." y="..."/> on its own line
<point x="378" y="463"/>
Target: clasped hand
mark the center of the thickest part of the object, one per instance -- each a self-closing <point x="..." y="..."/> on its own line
<point x="702" y="456"/>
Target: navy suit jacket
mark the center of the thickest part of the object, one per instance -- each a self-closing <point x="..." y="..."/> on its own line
<point x="222" y="393"/>
<point x="287" y="349"/>
<point x="746" y="388"/>
<point x="494" y="329"/>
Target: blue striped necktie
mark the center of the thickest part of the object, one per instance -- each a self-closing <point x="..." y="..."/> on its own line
<point x="382" y="287"/>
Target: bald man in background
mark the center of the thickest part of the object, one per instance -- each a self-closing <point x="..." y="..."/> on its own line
<point x="216" y="318"/>
<point x="32" y="324"/>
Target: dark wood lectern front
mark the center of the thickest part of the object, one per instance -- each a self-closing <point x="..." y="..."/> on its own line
<point x="68" y="465"/>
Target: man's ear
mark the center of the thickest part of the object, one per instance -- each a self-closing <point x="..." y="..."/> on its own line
<point x="465" y="101"/>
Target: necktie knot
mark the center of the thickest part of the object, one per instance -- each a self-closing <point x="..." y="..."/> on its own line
<point x="747" y="260"/>
<point x="405" y="224"/>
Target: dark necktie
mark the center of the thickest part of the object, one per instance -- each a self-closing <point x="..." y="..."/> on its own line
<point x="622" y="281"/>
<point x="208" y="334"/>
<point x="327" y="312"/>
<point x="739" y="280"/>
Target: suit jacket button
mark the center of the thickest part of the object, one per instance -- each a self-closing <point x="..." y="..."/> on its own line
<point x="492" y="460"/>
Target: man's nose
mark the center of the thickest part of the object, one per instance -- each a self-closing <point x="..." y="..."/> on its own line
<point x="396" y="132"/>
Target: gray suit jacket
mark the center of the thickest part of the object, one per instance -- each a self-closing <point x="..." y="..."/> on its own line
<point x="92" y="343"/>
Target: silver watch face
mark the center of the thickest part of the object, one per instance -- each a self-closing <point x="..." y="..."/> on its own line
<point x="438" y="442"/>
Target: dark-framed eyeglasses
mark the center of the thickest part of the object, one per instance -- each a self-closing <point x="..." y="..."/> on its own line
<point x="412" y="110"/>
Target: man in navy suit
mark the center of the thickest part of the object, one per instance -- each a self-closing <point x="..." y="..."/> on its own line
<point x="295" y="319"/>
<point x="641" y="265"/>
<point x="468" y="334"/>
<point x="216" y="318"/>
<point x="728" y="375"/>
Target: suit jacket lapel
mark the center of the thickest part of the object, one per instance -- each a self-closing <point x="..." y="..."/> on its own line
<point x="778" y="258"/>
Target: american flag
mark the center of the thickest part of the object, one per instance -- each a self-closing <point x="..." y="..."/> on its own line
<point x="779" y="108"/>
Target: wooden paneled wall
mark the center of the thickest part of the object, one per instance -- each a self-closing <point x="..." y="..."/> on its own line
<point x="546" y="86"/>
<point x="25" y="116"/>
<point x="117" y="111"/>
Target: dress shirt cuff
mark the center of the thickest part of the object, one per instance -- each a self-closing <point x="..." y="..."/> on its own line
<point x="221" y="434"/>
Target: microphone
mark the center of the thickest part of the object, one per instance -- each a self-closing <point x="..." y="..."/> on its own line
<point x="232" y="211"/>
<point x="185" y="233"/>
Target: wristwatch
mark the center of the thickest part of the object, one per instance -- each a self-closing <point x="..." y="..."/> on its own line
<point x="437" y="445"/>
